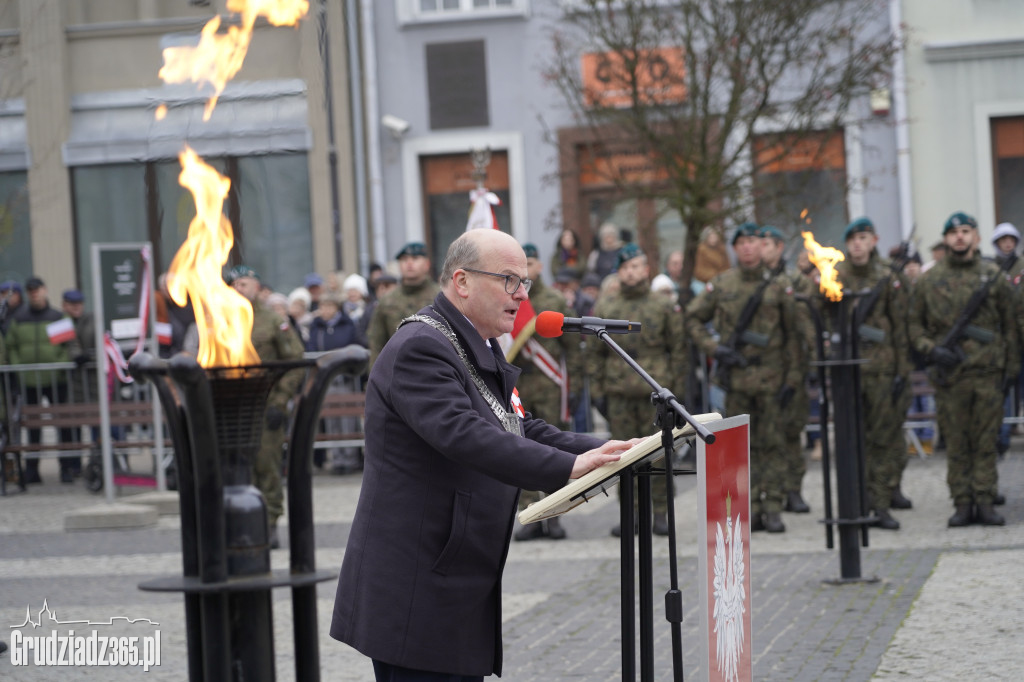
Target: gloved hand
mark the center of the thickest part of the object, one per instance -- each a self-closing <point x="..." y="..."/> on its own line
<point x="729" y="357"/>
<point x="274" y="418"/>
<point x="785" y="395"/>
<point x="898" y="385"/>
<point x="944" y="357"/>
<point x="80" y="360"/>
<point x="600" y="404"/>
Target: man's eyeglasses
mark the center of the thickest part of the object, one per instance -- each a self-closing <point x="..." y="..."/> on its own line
<point x="512" y="282"/>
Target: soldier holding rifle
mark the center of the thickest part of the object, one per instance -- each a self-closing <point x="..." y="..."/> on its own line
<point x="880" y="321"/>
<point x="755" y="315"/>
<point x="962" y="320"/>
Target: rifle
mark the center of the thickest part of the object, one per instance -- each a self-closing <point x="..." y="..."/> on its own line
<point x="963" y="321"/>
<point x="867" y="303"/>
<point x="739" y="334"/>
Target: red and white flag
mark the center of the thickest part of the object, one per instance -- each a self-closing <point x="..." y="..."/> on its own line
<point x="521" y="341"/>
<point x="163" y="333"/>
<point x="61" y="331"/>
<point x="481" y="212"/>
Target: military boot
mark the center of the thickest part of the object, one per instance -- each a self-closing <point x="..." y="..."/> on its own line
<point x="962" y="516"/>
<point x="883" y="519"/>
<point x="899" y="500"/>
<point x="555" y="530"/>
<point x="795" y="503"/>
<point x="999" y="499"/>
<point x="988" y="516"/>
<point x="756" y="522"/>
<point x="773" y="522"/>
<point x="660" y="523"/>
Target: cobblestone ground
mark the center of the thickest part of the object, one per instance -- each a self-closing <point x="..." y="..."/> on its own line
<point x="947" y="603"/>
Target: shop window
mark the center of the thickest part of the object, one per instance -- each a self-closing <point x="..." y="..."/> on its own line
<point x="15" y="230"/>
<point x="268" y="207"/>
<point x="800" y="184"/>
<point x="1008" y="175"/>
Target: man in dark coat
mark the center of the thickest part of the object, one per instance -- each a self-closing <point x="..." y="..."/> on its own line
<point x="420" y="585"/>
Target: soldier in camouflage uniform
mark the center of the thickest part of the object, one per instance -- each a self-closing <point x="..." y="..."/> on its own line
<point x="884" y="379"/>
<point x="794" y="417"/>
<point x="764" y="375"/>
<point x="660" y="349"/>
<point x="416" y="291"/>
<point x="540" y="394"/>
<point x="970" y="378"/>
<point x="274" y="339"/>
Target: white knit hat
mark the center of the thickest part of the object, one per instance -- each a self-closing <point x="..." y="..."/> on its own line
<point x="357" y="282"/>
<point x="1005" y="230"/>
<point x="663" y="282"/>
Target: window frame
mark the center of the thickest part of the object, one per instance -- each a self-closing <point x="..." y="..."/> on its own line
<point x="410" y="14"/>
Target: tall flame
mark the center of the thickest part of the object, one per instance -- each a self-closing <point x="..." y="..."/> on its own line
<point x="223" y="316"/>
<point x="825" y="259"/>
<point x="219" y="56"/>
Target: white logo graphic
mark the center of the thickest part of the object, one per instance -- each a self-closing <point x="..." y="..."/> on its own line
<point x="88" y="648"/>
<point x="729" y="595"/>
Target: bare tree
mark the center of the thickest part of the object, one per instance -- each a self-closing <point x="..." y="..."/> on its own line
<point x="710" y="92"/>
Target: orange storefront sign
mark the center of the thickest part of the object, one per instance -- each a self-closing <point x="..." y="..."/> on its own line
<point x="601" y="167"/>
<point x="659" y="75"/>
<point x="791" y="154"/>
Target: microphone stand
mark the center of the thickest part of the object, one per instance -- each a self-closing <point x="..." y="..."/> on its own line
<point x="670" y="415"/>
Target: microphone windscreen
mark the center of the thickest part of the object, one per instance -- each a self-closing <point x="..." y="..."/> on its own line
<point x="549" y="324"/>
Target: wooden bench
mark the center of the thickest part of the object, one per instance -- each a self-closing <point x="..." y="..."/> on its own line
<point x="75" y="416"/>
<point x="341" y="405"/>
<point x="914" y="419"/>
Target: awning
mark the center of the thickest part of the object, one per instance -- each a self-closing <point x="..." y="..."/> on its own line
<point x="258" y="117"/>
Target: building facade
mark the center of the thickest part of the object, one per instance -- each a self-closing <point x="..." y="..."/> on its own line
<point x="83" y="158"/>
<point x="464" y="74"/>
<point x="966" y="112"/>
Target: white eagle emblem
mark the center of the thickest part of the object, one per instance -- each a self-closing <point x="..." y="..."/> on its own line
<point x="729" y="595"/>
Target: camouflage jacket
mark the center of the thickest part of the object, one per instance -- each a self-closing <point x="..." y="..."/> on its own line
<point x="395" y="307"/>
<point x="942" y="293"/>
<point x="567" y="345"/>
<point x="805" y="295"/>
<point x="882" y="337"/>
<point x="660" y="347"/>
<point x="774" y="359"/>
<point x="275" y="340"/>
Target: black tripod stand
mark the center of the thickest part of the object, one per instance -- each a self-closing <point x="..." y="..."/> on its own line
<point x="670" y="415"/>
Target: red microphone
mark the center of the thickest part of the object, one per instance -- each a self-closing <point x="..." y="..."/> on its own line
<point x="551" y="324"/>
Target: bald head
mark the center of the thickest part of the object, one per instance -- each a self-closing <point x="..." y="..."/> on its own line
<point x="475" y="279"/>
<point x="470" y="250"/>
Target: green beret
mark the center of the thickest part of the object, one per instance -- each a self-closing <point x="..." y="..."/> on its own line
<point x="240" y="271"/>
<point x="629" y="252"/>
<point x="957" y="219"/>
<point x="530" y="250"/>
<point x="858" y="225"/>
<point x="773" y="232"/>
<point x="745" y="230"/>
<point x="412" y="249"/>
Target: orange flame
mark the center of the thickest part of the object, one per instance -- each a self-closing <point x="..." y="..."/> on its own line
<point x="223" y="316"/>
<point x="219" y="56"/>
<point x="825" y="259"/>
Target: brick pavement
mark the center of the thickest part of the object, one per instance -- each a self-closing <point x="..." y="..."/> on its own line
<point x="947" y="605"/>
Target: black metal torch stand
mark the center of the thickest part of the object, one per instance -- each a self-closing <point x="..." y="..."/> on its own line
<point x="215" y="418"/>
<point x="839" y="373"/>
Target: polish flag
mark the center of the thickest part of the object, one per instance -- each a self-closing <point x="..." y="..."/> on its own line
<point x="163" y="333"/>
<point x="61" y="331"/>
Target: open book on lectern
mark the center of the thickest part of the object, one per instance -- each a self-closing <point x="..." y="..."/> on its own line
<point x="606" y="477"/>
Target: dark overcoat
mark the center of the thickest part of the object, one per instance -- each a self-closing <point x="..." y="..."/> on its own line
<point x="420" y="584"/>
